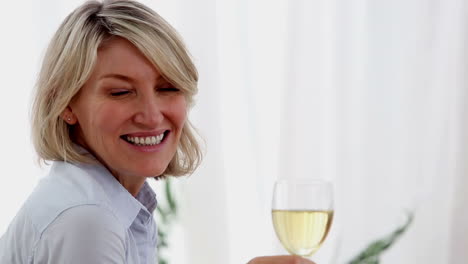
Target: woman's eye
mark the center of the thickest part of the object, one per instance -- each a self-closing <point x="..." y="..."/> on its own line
<point x="119" y="93"/>
<point x="168" y="89"/>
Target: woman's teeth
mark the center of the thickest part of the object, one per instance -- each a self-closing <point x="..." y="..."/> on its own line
<point x="146" y="141"/>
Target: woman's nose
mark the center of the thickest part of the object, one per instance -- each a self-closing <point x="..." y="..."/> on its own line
<point x="149" y="113"/>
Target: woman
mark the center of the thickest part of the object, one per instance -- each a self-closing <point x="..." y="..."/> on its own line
<point x="110" y="111"/>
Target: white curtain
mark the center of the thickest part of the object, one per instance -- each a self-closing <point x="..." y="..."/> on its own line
<point x="367" y="94"/>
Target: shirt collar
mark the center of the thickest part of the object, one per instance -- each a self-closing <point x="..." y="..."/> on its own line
<point x="147" y="197"/>
<point x="125" y="206"/>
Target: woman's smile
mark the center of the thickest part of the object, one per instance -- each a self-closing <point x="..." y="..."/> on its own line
<point x="147" y="141"/>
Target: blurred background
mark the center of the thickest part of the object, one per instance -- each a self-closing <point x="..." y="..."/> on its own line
<point x="367" y="94"/>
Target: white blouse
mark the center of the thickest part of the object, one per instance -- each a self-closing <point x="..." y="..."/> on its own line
<point x="82" y="214"/>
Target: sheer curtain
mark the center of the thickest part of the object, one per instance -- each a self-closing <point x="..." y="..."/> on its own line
<point x="367" y="94"/>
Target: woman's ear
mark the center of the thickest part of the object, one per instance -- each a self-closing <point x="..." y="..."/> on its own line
<point x="68" y="116"/>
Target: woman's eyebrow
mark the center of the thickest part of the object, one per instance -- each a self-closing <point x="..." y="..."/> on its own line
<point x="159" y="79"/>
<point x="116" y="76"/>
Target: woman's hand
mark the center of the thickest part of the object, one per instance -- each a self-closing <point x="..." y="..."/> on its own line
<point x="280" y="260"/>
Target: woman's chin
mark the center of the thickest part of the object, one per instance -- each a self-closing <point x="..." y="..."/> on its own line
<point x="151" y="173"/>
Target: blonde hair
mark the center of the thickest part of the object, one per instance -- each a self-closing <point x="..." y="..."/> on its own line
<point x="69" y="61"/>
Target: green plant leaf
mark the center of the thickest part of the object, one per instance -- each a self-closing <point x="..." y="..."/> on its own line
<point x="166" y="214"/>
<point x="162" y="213"/>
<point x="162" y="242"/>
<point x="170" y="198"/>
<point x="371" y="254"/>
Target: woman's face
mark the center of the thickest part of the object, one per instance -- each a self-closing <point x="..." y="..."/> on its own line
<point x="127" y="115"/>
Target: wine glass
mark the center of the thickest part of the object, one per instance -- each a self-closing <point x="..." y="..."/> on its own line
<point x="302" y="212"/>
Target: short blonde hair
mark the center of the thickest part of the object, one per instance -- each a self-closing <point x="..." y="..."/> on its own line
<point x="69" y="61"/>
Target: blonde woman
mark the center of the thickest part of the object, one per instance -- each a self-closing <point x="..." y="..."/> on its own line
<point x="110" y="112"/>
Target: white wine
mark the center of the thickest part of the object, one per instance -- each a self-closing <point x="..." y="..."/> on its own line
<point x="302" y="232"/>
